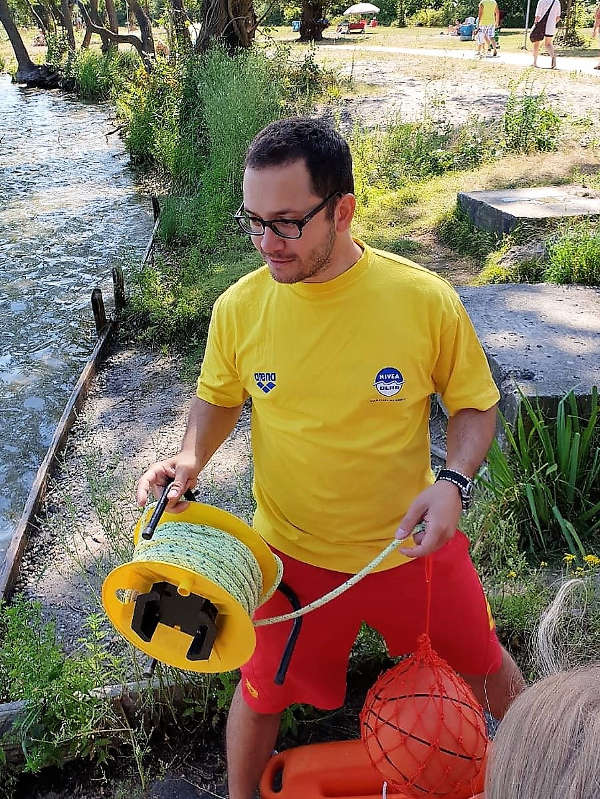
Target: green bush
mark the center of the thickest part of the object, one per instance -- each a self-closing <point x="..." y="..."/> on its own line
<point x="429" y="18"/>
<point x="172" y="300"/>
<point x="403" y="152"/>
<point x="574" y="256"/>
<point x="530" y="125"/>
<point x="63" y="716"/>
<point x="457" y="231"/>
<point x="97" y="76"/>
<point x="548" y="485"/>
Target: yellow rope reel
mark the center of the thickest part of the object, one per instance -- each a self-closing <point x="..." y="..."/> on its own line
<point x="182" y="617"/>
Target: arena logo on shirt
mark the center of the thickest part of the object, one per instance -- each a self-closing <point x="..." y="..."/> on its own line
<point x="266" y="381"/>
<point x="389" y="381"/>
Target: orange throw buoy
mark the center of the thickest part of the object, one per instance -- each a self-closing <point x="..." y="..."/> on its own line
<point x="424" y="730"/>
<point x="341" y="769"/>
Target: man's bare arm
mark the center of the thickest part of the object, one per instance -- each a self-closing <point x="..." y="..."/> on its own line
<point x="468" y="438"/>
<point x="207" y="427"/>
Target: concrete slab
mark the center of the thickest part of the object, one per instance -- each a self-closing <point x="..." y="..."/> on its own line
<point x="542" y="339"/>
<point x="500" y="211"/>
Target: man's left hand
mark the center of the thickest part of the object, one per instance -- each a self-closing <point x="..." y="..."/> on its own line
<point x="439" y="508"/>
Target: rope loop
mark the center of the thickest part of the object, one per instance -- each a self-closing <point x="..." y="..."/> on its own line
<point x="230" y="564"/>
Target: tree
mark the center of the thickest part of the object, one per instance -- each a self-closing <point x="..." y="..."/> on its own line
<point x="144" y="43"/>
<point x="231" y="21"/>
<point x="311" y="20"/>
<point x="27" y="71"/>
<point x="568" y="36"/>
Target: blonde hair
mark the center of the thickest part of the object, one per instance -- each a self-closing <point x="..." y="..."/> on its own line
<point x="548" y="744"/>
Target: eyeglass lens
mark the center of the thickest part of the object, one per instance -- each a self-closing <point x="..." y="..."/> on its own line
<point x="255" y="226"/>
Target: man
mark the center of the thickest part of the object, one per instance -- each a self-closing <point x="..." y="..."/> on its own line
<point x="487" y="22"/>
<point x="340" y="347"/>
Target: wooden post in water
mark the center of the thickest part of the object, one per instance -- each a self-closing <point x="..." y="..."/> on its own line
<point x="118" y="289"/>
<point x="99" y="310"/>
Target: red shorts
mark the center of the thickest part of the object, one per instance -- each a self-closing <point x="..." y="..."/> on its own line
<point x="393" y="602"/>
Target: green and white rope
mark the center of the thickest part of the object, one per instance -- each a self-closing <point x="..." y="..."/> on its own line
<point x="229" y="563"/>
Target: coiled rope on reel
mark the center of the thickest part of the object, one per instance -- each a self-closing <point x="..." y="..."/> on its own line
<point x="218" y="556"/>
<point x="188" y="594"/>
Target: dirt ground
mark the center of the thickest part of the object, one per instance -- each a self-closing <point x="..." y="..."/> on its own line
<point x="409" y="84"/>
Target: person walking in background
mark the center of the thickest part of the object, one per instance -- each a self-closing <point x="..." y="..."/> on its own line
<point x="488" y="19"/>
<point x="596" y="31"/>
<point x="550" y="11"/>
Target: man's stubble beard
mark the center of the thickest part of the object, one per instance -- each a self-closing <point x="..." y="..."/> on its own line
<point x="317" y="261"/>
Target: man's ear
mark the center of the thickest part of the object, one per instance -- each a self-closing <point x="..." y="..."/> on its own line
<point x="344" y="212"/>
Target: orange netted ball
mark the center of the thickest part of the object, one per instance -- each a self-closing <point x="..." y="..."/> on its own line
<point x="423" y="728"/>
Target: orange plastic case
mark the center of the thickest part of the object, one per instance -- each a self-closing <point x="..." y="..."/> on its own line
<point x="338" y="770"/>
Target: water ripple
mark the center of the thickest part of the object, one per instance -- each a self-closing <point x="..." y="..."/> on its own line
<point x="69" y="212"/>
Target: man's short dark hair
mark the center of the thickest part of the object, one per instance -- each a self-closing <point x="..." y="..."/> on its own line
<point x="316" y="142"/>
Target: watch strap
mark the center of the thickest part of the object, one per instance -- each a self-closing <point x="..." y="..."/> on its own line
<point x="461" y="481"/>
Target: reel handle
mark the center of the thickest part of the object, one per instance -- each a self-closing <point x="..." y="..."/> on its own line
<point x="158" y="511"/>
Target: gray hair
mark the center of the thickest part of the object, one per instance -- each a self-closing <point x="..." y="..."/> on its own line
<point x="547" y="746"/>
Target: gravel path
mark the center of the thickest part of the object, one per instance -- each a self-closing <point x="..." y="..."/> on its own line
<point x="453" y="84"/>
<point x="135" y="414"/>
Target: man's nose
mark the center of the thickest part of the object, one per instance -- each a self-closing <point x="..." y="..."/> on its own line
<point x="270" y="241"/>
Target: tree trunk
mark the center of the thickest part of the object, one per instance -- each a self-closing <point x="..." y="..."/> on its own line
<point x="68" y="18"/>
<point x="126" y="38"/>
<point x="97" y="20"/>
<point x="311" y="24"/>
<point x="45" y="17"/>
<point x="182" y="34"/>
<point x="111" y="13"/>
<point x="230" y="21"/>
<point x="568" y="35"/>
<point x="144" y="25"/>
<point x="27" y="71"/>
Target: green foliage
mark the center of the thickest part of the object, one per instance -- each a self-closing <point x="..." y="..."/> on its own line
<point x="429" y="18"/>
<point x="528" y="270"/>
<point x="403" y="152"/>
<point x="98" y="77"/>
<point x="494" y="539"/>
<point x="516" y="609"/>
<point x="457" y="231"/>
<point x="172" y="300"/>
<point x="574" y="256"/>
<point x="63" y="716"/>
<point x="530" y="125"/>
<point x="57" y="47"/>
<point x="195" y="122"/>
<point x="548" y="486"/>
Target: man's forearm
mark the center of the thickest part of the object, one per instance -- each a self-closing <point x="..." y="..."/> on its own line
<point x="468" y="439"/>
<point x="208" y="426"/>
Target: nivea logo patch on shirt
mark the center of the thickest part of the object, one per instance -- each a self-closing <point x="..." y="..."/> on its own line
<point x="266" y="381"/>
<point x="389" y="381"/>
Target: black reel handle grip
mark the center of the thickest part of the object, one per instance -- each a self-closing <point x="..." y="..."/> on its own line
<point x="158" y="511"/>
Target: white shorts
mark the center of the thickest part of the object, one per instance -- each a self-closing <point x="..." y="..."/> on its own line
<point x="485" y="31"/>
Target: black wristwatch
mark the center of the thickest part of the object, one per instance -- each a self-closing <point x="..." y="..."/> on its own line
<point x="462" y="482"/>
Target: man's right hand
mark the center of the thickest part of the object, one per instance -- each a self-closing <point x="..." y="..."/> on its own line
<point x="183" y="469"/>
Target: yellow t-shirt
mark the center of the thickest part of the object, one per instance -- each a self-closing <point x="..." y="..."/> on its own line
<point x="340" y="374"/>
<point x="488" y="15"/>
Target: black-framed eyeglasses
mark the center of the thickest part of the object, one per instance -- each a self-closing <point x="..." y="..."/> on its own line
<point x="285" y="228"/>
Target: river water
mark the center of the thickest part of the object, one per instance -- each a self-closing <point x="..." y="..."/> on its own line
<point x="69" y="212"/>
